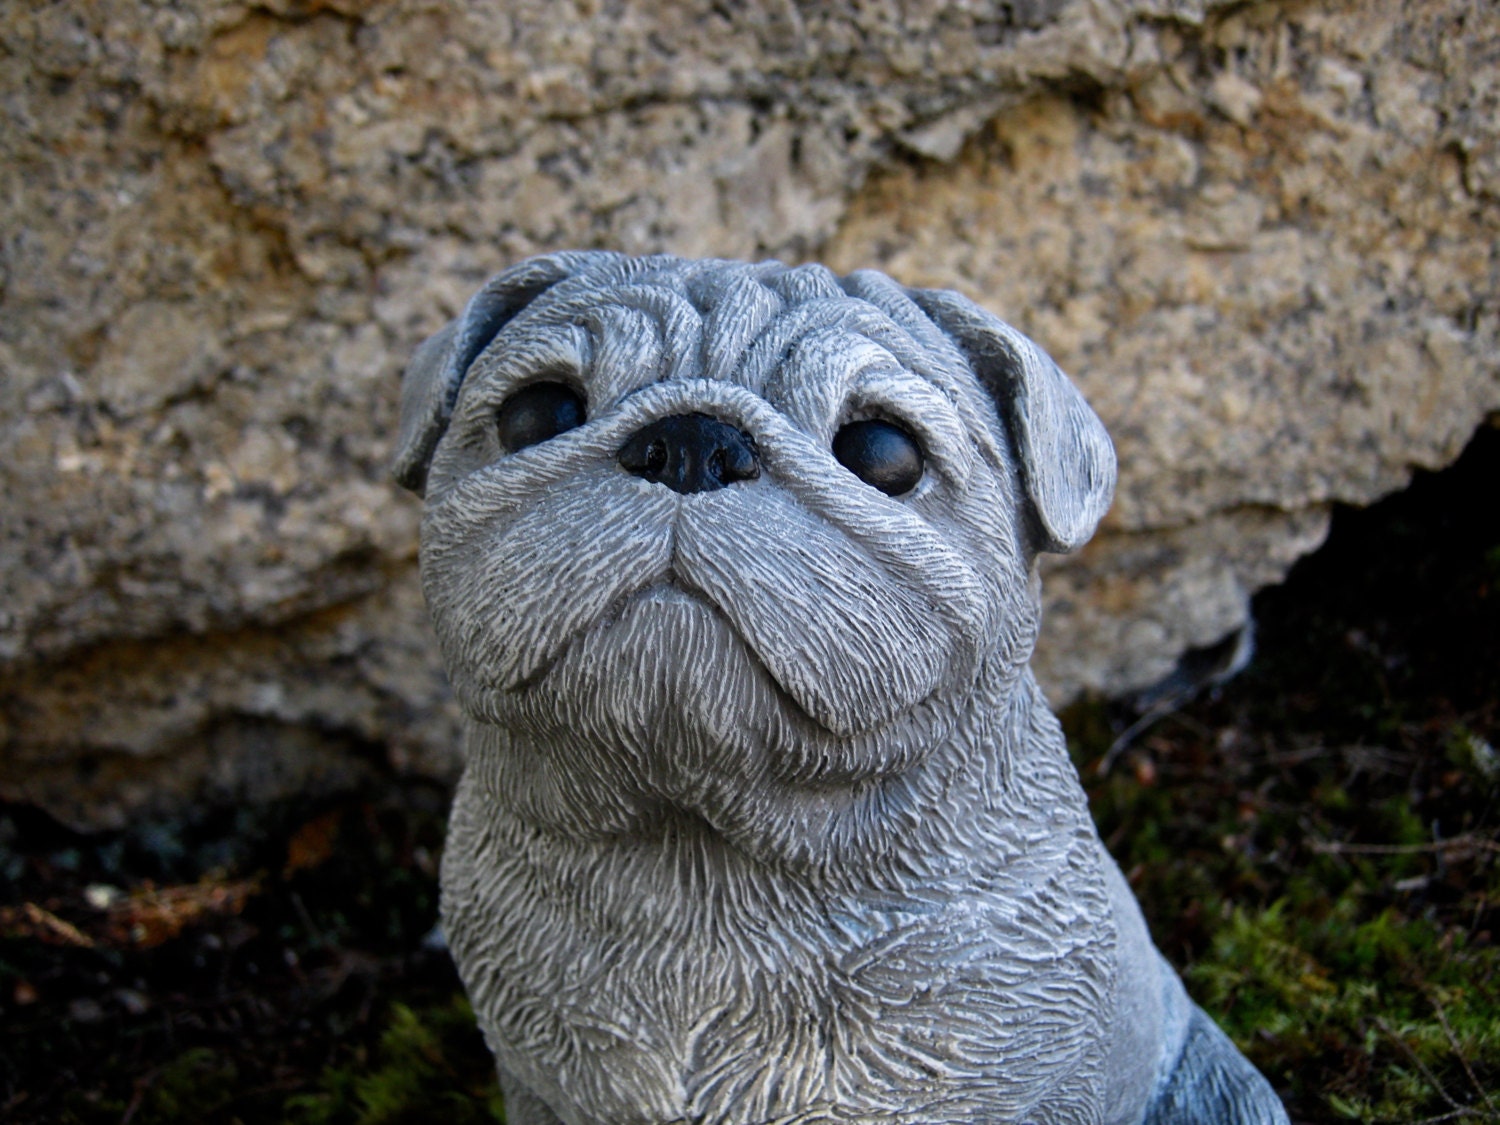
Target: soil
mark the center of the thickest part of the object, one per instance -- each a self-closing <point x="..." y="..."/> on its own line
<point x="1314" y="842"/>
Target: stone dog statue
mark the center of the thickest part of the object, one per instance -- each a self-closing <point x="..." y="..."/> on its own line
<point x="764" y="818"/>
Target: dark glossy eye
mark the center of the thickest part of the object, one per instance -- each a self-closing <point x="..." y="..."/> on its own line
<point x="880" y="454"/>
<point x="536" y="413"/>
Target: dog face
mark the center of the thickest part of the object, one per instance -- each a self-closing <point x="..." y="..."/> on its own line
<point x="702" y="529"/>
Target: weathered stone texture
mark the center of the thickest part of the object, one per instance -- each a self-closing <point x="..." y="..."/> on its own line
<point x="1270" y="257"/>
<point x="1263" y="237"/>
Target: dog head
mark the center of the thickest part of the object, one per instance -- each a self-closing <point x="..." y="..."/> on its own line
<point x="770" y="516"/>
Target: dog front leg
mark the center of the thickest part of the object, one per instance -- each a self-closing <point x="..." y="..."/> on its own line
<point x="522" y="1107"/>
<point x="1213" y="1084"/>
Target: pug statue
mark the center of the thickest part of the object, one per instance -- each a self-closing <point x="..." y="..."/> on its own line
<point x="764" y="818"/>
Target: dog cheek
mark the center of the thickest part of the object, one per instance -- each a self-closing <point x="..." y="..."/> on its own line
<point x="509" y="589"/>
<point x="852" y="645"/>
<point x="981" y="526"/>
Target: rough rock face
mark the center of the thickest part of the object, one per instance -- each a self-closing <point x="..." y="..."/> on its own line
<point x="1269" y="256"/>
<point x="1263" y="238"/>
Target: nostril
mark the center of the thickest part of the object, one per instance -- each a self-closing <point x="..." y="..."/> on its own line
<point x="740" y="462"/>
<point x="691" y="453"/>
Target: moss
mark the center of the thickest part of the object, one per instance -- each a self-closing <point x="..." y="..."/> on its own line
<point x="1316" y="917"/>
<point x="195" y="1086"/>
<point x="407" y="1079"/>
<point x="1411" y="1014"/>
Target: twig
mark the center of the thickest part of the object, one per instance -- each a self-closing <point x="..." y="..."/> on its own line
<point x="31" y="920"/>
<point x="1460" y="1110"/>
<point x="1458" y="1052"/>
<point x="138" y="1094"/>
<point x="318" y="940"/>
<point x="1297" y="757"/>
<point x="1122" y="743"/>
<point x="1452" y="843"/>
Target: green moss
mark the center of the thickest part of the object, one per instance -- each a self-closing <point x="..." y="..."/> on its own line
<point x="195" y="1086"/>
<point x="408" y="1078"/>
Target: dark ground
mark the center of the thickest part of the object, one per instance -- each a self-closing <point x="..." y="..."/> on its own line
<point x="1315" y="845"/>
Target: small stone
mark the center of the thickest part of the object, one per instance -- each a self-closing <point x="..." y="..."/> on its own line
<point x="85" y="1010"/>
<point x="101" y="896"/>
<point x="135" y="1003"/>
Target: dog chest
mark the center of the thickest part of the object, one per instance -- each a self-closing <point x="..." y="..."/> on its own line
<point x="678" y="983"/>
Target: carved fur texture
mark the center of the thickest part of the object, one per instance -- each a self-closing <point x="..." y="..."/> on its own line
<point x="764" y="817"/>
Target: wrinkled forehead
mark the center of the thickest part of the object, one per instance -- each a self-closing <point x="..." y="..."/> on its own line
<point x="783" y="333"/>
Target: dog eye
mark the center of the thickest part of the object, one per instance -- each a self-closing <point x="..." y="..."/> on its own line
<point x="880" y="454"/>
<point x="538" y="412"/>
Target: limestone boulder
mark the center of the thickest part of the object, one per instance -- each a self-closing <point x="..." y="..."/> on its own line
<point x="1263" y="237"/>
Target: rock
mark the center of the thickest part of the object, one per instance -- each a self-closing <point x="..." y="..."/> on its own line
<point x="1262" y="237"/>
<point x="337" y="698"/>
<point x="1268" y="261"/>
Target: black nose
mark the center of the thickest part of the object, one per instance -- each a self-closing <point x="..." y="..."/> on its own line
<point x="691" y="453"/>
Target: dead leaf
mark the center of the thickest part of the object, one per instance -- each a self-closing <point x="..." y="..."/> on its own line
<point x="152" y="915"/>
<point x="312" y="844"/>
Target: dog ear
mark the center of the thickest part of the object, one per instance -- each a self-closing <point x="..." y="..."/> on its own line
<point x="1066" y="459"/>
<point x="431" y="382"/>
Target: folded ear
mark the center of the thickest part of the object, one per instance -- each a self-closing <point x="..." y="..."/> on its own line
<point x="430" y="384"/>
<point x="1066" y="459"/>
